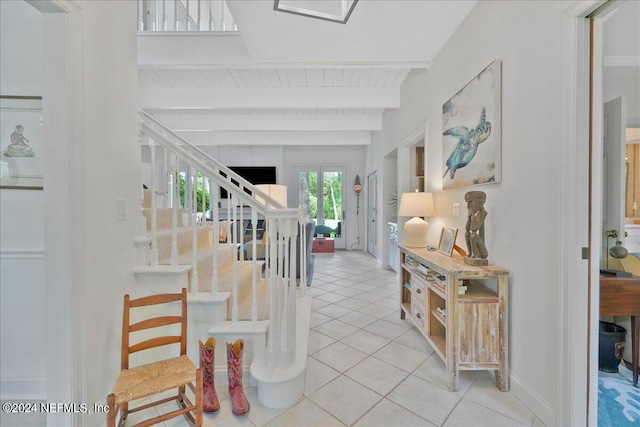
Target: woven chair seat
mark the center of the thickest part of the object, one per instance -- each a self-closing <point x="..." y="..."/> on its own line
<point x="146" y="380"/>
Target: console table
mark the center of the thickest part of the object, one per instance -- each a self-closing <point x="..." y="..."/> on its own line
<point x="620" y="296"/>
<point x="461" y="310"/>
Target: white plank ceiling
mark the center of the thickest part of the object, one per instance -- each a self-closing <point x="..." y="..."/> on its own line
<point x="287" y="79"/>
<point x="272" y="77"/>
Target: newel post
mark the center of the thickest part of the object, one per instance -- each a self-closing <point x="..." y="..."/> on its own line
<point x="142" y="240"/>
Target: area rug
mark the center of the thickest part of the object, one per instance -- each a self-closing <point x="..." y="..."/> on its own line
<point x="618" y="403"/>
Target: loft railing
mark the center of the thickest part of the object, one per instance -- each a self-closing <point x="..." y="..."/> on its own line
<point x="184" y="15"/>
<point x="171" y="157"/>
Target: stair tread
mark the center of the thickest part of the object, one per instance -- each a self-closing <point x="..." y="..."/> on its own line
<point x="203" y="254"/>
<point x="241" y="327"/>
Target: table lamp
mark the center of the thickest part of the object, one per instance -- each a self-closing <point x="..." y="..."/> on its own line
<point x="416" y="205"/>
<point x="276" y="192"/>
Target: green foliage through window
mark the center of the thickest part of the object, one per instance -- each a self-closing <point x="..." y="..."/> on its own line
<point x="199" y="193"/>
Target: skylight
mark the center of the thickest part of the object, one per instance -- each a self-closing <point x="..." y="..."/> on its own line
<point x="329" y="10"/>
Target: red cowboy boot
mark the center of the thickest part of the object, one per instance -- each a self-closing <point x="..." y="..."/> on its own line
<point x="209" y="396"/>
<point x="239" y="402"/>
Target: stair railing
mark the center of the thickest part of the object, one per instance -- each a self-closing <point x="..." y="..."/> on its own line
<point x="282" y="226"/>
<point x="184" y="15"/>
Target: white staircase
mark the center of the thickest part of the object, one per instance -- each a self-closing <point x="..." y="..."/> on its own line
<point x="230" y="297"/>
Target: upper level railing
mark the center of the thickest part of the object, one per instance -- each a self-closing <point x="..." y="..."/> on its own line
<point x="184" y="15"/>
<point x="172" y="160"/>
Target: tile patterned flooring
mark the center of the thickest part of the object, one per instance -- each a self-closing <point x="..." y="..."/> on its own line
<point x="366" y="367"/>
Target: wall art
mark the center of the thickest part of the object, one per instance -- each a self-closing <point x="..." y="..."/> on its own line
<point x="471" y="132"/>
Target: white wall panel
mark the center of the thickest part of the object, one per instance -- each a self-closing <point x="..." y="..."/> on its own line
<point x="22" y="281"/>
<point x="22" y="331"/>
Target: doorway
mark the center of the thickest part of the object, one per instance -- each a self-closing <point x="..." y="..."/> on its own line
<point x="320" y="192"/>
<point x="615" y="106"/>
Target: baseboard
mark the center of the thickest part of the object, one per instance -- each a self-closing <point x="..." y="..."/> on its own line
<point x="532" y="400"/>
<point x="221" y="376"/>
<point x="23" y="388"/>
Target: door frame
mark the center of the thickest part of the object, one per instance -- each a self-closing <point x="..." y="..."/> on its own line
<point x="372" y="213"/>
<point x="576" y="303"/>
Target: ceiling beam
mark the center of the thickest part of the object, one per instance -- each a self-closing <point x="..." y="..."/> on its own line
<point x="271" y="122"/>
<point x="277" y="138"/>
<point x="269" y="97"/>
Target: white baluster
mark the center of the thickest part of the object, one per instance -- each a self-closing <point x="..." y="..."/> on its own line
<point x="222" y="16"/>
<point x="140" y="16"/>
<point x="234" y="258"/>
<point x="273" y="336"/>
<point x="198" y="23"/>
<point x="154" y="207"/>
<point x="303" y="252"/>
<point x="142" y="236"/>
<point x="213" y="198"/>
<point x="284" y="260"/>
<point x="254" y="267"/>
<point x="203" y="218"/>
<point x="164" y="15"/>
<point x="291" y="332"/>
<point x="241" y="229"/>
<point x="174" y="211"/>
<point x="194" y="232"/>
<point x="186" y="18"/>
<point x="175" y="15"/>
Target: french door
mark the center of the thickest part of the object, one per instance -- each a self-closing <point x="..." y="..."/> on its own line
<point x="320" y="192"/>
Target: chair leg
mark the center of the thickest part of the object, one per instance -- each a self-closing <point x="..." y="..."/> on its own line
<point x="199" y="398"/>
<point x="124" y="413"/>
<point x="112" y="414"/>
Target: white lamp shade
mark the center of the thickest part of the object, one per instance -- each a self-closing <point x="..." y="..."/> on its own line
<point x="276" y="192"/>
<point x="416" y="204"/>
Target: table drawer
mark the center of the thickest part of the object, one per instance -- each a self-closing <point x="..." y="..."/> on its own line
<point x="419" y="289"/>
<point x="418" y="312"/>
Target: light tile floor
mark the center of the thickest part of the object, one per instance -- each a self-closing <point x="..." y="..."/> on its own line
<point x="366" y="367"/>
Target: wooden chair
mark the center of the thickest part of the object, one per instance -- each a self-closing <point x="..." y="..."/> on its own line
<point x="156" y="377"/>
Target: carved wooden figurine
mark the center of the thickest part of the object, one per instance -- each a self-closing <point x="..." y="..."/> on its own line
<point x="474" y="234"/>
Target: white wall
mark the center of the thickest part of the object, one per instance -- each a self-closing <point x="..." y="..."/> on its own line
<point x="90" y="254"/>
<point x="522" y="225"/>
<point x="20" y="49"/>
<point x="623" y="81"/>
<point x="111" y="164"/>
<point x="22" y="299"/>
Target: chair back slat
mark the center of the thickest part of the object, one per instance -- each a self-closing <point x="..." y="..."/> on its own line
<point x="155" y="299"/>
<point x="154" y="342"/>
<point x="155" y="322"/>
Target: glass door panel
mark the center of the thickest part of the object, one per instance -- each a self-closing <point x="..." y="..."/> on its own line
<point x="320" y="193"/>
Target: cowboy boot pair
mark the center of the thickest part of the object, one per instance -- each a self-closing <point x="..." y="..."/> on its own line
<point x="235" y="351"/>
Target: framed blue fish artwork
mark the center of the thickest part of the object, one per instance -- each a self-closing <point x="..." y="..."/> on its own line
<point x="471" y="132"/>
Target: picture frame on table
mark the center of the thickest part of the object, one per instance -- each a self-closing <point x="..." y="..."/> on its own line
<point x="447" y="240"/>
<point x="21" y="142"/>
